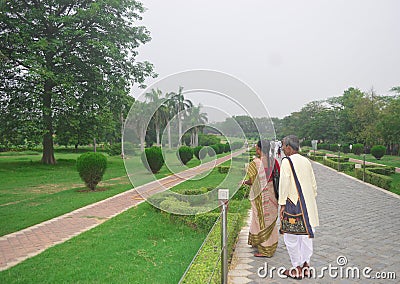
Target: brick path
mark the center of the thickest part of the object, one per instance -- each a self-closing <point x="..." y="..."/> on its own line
<point x="18" y="246"/>
<point x="357" y="220"/>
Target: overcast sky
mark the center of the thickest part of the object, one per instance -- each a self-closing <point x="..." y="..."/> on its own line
<point x="289" y="52"/>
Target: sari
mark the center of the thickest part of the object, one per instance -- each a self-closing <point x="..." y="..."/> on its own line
<point x="263" y="233"/>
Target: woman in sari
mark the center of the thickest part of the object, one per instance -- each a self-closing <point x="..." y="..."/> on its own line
<point x="264" y="206"/>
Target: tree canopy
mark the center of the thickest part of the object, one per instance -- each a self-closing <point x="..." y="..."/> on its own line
<point x="67" y="59"/>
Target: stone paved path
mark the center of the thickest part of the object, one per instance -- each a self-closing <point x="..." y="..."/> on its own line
<point x="358" y="221"/>
<point x="18" y="246"/>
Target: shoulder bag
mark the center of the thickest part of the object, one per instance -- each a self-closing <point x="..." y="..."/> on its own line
<point x="295" y="216"/>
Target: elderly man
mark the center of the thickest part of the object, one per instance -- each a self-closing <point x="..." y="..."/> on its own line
<point x="300" y="247"/>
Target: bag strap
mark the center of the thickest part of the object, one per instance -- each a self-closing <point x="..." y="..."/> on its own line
<point x="301" y="199"/>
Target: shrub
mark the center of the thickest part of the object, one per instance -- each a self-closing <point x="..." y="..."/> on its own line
<point x="236" y="145"/>
<point x="224" y="169"/>
<point x="212" y="150"/>
<point x="358" y="148"/>
<point x="196" y="152"/>
<point x="154" y="158"/>
<point x="220" y="148"/>
<point x="374" y="178"/>
<point x="116" y="149"/>
<point x="185" y="154"/>
<point x="378" y="151"/>
<point x="227" y="148"/>
<point x="305" y="143"/>
<point x="91" y="167"/>
<point x="207" y="140"/>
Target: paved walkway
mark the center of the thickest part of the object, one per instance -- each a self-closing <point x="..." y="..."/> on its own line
<point x="358" y="221"/>
<point x="18" y="246"/>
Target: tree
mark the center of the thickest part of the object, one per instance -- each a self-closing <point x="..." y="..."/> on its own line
<point x="160" y="116"/>
<point x="58" y="53"/>
<point x="180" y="106"/>
<point x="197" y="119"/>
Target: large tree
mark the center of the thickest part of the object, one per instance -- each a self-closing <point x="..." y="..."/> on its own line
<point x="59" y="55"/>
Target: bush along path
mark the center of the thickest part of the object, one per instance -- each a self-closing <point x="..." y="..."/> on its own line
<point x="18" y="246"/>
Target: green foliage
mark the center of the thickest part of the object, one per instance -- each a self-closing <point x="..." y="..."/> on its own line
<point x="223" y="169"/>
<point x="227" y="148"/>
<point x="116" y="149"/>
<point x="236" y="145"/>
<point x="379" y="180"/>
<point x="212" y="150"/>
<point x="378" y="151"/>
<point x="185" y="154"/>
<point x="344" y="164"/>
<point x="152" y="159"/>
<point x="385" y="171"/>
<point x="91" y="167"/>
<point x="242" y="192"/>
<point x="196" y="152"/>
<point x="208" y="140"/>
<point x="358" y="148"/>
<point x="220" y="148"/>
<point x="74" y="61"/>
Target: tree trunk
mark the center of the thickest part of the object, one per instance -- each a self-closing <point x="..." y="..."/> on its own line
<point x="94" y="145"/>
<point x="158" y="135"/>
<point x="179" y="130"/>
<point x="169" y="136"/>
<point x="48" y="147"/>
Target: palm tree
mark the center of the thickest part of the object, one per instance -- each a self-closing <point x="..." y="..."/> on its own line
<point x="160" y="116"/>
<point x="137" y="121"/>
<point x="180" y="106"/>
<point x="196" y="118"/>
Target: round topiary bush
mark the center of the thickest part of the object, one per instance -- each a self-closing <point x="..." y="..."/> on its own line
<point x="196" y="152"/>
<point x="227" y="148"/>
<point x="358" y="148"/>
<point x="378" y="151"/>
<point x="212" y="150"/>
<point x="185" y="154"/>
<point x="91" y="167"/>
<point x="152" y="159"/>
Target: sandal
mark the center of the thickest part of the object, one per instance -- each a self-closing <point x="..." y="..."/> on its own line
<point x="296" y="275"/>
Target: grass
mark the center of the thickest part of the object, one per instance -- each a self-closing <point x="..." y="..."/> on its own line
<point x="393" y="161"/>
<point x="138" y="246"/>
<point x="395" y="185"/>
<point x="32" y="193"/>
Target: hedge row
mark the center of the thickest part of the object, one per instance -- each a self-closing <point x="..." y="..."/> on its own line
<point x="206" y="268"/>
<point x="344" y="166"/>
<point x="374" y="178"/>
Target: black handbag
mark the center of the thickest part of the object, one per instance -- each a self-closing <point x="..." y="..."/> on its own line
<point x="295" y="216"/>
<point x="275" y="181"/>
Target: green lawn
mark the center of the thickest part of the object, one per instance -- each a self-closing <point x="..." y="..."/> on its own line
<point x="140" y="245"/>
<point x="393" y="161"/>
<point x="32" y="193"/>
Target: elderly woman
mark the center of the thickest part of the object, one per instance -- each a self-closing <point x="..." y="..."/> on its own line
<point x="263" y="229"/>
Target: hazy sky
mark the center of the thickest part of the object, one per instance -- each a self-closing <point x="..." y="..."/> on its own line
<point x="289" y="52"/>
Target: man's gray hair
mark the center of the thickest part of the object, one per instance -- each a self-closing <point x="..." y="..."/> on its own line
<point x="292" y="141"/>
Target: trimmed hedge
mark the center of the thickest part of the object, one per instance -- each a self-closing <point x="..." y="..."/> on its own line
<point x="358" y="149"/>
<point x="154" y="157"/>
<point x="223" y="169"/>
<point x="202" y="268"/>
<point x="344" y="166"/>
<point x="185" y="154"/>
<point x="378" y="151"/>
<point x="236" y="145"/>
<point x="379" y="180"/>
<point x="91" y="167"/>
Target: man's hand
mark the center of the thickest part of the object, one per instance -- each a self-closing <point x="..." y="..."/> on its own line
<point x="281" y="212"/>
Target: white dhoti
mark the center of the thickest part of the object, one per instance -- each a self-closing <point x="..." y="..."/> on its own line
<point x="300" y="248"/>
